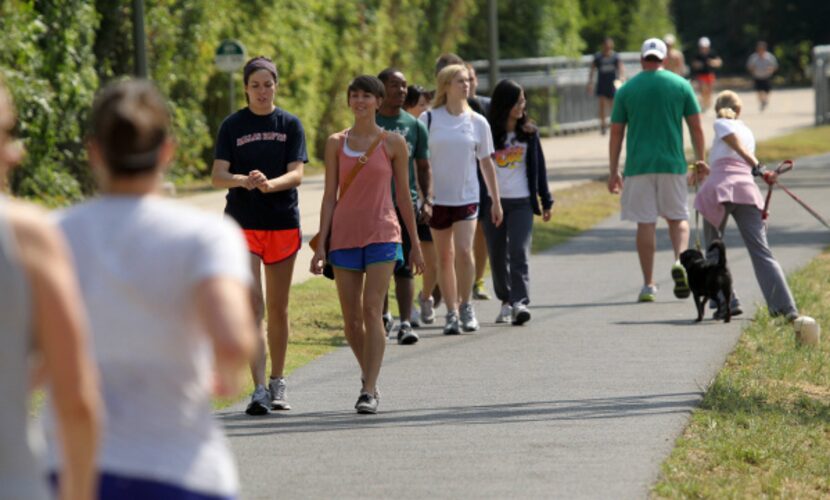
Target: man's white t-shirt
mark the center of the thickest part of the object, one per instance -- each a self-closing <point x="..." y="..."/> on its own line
<point x="511" y="168"/>
<point x="720" y="150"/>
<point x="139" y="261"/>
<point x="455" y="142"/>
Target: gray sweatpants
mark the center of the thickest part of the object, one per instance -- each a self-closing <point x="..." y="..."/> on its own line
<point x="768" y="272"/>
<point x="509" y="247"/>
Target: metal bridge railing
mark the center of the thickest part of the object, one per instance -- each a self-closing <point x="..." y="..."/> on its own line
<point x="561" y="81"/>
<point x="821" y="83"/>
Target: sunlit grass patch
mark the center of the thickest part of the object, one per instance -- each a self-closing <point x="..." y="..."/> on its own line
<point x="763" y="428"/>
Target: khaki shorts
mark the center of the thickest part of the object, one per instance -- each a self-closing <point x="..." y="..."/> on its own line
<point x="649" y="196"/>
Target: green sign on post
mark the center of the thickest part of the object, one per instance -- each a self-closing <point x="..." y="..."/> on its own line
<point x="230" y="56"/>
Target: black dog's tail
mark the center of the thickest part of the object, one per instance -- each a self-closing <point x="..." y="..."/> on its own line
<point x="717" y="248"/>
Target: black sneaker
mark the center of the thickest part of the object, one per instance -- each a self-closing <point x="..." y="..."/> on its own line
<point x="521" y="314"/>
<point x="366" y="404"/>
<point x="406" y="336"/>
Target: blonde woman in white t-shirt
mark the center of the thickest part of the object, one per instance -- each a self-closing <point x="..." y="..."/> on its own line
<point x="457" y="138"/>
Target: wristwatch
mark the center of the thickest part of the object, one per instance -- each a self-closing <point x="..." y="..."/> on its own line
<point x="759" y="169"/>
<point x="429" y="201"/>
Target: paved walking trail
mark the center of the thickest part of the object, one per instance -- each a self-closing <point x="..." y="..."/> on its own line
<point x="583" y="402"/>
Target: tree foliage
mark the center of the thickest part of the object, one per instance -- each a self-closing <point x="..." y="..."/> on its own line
<point x="56" y="54"/>
<point x="527" y="28"/>
<point x="790" y="28"/>
<point x="48" y="64"/>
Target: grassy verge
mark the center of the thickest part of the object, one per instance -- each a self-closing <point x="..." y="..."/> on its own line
<point x="192" y="186"/>
<point x="575" y="210"/>
<point x="763" y="428"/>
<point x="314" y="313"/>
<point x="804" y="142"/>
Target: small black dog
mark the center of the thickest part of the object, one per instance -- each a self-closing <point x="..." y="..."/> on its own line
<point x="707" y="279"/>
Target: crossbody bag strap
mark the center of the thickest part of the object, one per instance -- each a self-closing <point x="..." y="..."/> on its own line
<point x="361" y="162"/>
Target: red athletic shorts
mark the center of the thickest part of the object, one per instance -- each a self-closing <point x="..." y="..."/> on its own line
<point x="273" y="246"/>
<point x="707" y="78"/>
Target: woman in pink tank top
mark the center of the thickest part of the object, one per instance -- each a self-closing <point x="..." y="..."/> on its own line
<point x="361" y="230"/>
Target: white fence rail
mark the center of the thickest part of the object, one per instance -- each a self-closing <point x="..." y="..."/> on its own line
<point x="562" y="80"/>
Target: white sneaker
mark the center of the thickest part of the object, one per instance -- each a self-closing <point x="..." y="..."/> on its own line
<point x="521" y="314"/>
<point x="469" y="323"/>
<point x="427" y="309"/>
<point x="506" y="314"/>
<point x="277" y="388"/>
<point x="414" y="317"/>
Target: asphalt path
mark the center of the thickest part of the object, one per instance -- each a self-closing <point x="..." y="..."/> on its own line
<point x="585" y="401"/>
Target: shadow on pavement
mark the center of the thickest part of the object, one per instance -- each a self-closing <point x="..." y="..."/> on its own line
<point x="238" y="424"/>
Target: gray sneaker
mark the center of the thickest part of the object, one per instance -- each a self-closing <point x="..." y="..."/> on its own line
<point x="277" y="388"/>
<point x="451" y="326"/>
<point x="366" y="404"/>
<point x="388" y="322"/>
<point x="260" y="402"/>
<point x="469" y="323"/>
<point x="427" y="309"/>
<point x="405" y="334"/>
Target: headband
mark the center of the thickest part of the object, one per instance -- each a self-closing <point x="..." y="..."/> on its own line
<point x="258" y="64"/>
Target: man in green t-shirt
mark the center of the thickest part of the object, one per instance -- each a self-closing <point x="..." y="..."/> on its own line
<point x="653" y="105"/>
<point x="393" y="118"/>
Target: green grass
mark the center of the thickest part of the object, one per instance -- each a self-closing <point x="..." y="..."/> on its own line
<point x="763" y="428"/>
<point x="575" y="210"/>
<point x="314" y="310"/>
<point x="805" y="142"/>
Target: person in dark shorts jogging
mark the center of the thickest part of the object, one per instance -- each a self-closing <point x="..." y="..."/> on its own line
<point x="392" y="118"/>
<point x="260" y="153"/>
<point x="762" y="65"/>
<point x="609" y="70"/>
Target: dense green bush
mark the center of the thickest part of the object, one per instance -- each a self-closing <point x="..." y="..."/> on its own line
<point x="47" y="62"/>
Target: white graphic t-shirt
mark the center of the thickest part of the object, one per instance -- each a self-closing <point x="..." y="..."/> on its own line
<point x="511" y="168"/>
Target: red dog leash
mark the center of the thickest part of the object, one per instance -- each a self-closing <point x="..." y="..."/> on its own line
<point x="786" y="166"/>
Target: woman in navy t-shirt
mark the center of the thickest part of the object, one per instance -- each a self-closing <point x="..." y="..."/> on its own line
<point x="260" y="153"/>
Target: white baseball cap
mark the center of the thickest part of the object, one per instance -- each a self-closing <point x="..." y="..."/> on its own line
<point x="704" y="42"/>
<point x="654" y="47"/>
